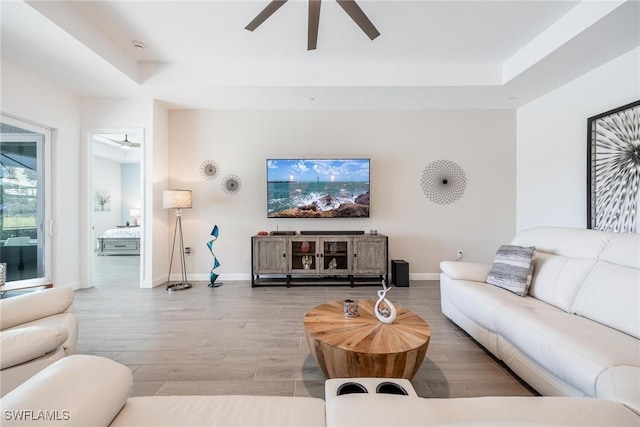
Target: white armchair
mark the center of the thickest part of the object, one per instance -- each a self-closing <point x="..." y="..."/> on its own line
<point x="36" y="329"/>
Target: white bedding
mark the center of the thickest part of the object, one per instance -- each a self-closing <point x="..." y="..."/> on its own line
<point x="122" y="232"/>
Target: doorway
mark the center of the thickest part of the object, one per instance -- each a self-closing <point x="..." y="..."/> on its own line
<point x="116" y="208"/>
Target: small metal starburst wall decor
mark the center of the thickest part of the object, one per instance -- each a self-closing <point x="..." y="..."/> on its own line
<point x="443" y="182"/>
<point x="613" y="170"/>
<point x="231" y="184"/>
<point x="209" y="169"/>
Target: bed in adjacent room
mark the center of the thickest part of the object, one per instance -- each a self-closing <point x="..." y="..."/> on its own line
<point x="120" y="241"/>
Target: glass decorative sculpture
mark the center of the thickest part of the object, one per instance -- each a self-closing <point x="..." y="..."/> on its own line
<point x="214" y="276"/>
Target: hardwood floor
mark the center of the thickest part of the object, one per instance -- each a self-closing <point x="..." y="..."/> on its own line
<point x="238" y="340"/>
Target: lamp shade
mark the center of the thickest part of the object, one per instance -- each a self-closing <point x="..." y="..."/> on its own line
<point x="176" y="199"/>
<point x="134" y="213"/>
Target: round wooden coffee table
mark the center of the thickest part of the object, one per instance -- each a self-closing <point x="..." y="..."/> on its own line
<point x="348" y="347"/>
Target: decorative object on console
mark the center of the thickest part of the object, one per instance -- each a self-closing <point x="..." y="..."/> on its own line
<point x="443" y="182"/>
<point x="351" y="308"/>
<point x="307" y="260"/>
<point x="385" y="311"/>
<point x="178" y="200"/>
<point x="613" y="169"/>
<point x="213" y="276"/>
<point x="304" y="247"/>
<point x="512" y="269"/>
<point x="231" y="184"/>
<point x="135" y="214"/>
<point x="209" y="169"/>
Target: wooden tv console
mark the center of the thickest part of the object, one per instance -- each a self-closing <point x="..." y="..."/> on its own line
<point x="308" y="259"/>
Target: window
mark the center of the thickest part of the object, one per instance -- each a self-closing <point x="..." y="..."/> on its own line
<point x="24" y="201"/>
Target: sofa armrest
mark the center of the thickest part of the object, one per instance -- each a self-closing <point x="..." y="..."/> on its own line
<point x="24" y="344"/>
<point x="33" y="306"/>
<point x="460" y="270"/>
<point x="80" y="390"/>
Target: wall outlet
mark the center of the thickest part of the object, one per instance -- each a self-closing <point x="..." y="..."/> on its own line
<point x="187" y="251"/>
<point x="460" y="255"/>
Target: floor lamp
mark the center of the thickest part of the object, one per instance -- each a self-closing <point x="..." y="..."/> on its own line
<point x="178" y="200"/>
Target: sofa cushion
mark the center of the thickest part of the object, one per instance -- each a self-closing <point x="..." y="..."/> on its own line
<point x="620" y="384"/>
<point x="512" y="269"/>
<point x="66" y="320"/>
<point x="41" y="304"/>
<point x="461" y="270"/>
<point x="557" y="278"/>
<point x="79" y="390"/>
<point x="480" y="301"/>
<point x="611" y="295"/>
<point x="255" y="411"/>
<point x="623" y="249"/>
<point x="25" y="344"/>
<point x="573" y="349"/>
<point x="392" y="410"/>
<point x="568" y="242"/>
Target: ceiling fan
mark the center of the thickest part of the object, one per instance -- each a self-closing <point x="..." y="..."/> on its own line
<point x="349" y="6"/>
<point x="126" y="143"/>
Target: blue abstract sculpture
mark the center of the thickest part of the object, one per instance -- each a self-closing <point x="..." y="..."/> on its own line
<point x="213" y="276"/>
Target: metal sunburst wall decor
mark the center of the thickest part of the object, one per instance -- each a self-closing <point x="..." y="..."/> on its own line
<point x="231" y="184"/>
<point x="613" y="170"/>
<point x="209" y="169"/>
<point x="443" y="182"/>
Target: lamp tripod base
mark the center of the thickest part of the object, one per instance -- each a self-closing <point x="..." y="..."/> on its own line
<point x="178" y="286"/>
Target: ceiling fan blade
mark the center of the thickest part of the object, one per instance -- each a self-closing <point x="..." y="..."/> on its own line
<point x="314" y="22"/>
<point x="358" y="16"/>
<point x="266" y="12"/>
<point x="125" y="143"/>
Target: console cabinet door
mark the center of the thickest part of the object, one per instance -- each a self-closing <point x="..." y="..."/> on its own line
<point x="269" y="255"/>
<point x="335" y="255"/>
<point x="370" y="255"/>
<point x="303" y="255"/>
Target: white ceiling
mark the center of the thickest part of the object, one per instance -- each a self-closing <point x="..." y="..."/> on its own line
<point x="431" y="54"/>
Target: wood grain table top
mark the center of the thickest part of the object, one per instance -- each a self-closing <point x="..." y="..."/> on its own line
<point x="365" y="333"/>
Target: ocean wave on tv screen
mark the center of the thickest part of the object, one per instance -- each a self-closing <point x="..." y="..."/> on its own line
<point x="323" y="195"/>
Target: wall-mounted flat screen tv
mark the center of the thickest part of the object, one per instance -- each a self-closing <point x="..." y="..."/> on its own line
<point x="318" y="188"/>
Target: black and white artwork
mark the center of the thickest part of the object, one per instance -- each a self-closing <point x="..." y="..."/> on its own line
<point x="613" y="170"/>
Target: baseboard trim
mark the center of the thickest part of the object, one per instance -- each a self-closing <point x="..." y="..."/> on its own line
<point x="199" y="277"/>
<point x="424" y="276"/>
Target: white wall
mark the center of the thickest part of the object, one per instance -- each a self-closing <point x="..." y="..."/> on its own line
<point x="100" y="114"/>
<point x="130" y="187"/>
<point x="156" y="174"/>
<point x="400" y="144"/>
<point x="552" y="143"/>
<point x="107" y="177"/>
<point x="30" y="98"/>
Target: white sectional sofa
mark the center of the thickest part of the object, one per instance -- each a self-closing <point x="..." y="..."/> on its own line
<point x="576" y="332"/>
<point x="93" y="391"/>
<point x="36" y="329"/>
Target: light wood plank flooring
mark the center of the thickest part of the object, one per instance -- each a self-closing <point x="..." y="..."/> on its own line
<point x="238" y="340"/>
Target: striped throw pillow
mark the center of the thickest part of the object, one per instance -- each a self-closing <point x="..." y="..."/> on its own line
<point x="512" y="269"/>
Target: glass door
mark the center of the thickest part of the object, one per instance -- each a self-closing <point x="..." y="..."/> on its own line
<point x="303" y="255"/>
<point x="25" y="195"/>
<point x="335" y="255"/>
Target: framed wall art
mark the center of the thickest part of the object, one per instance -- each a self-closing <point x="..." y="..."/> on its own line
<point x="613" y="170"/>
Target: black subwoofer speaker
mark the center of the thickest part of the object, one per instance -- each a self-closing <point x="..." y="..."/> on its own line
<point x="400" y="272"/>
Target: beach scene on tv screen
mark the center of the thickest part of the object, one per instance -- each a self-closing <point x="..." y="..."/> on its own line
<point x="318" y="188"/>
